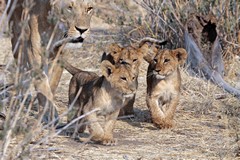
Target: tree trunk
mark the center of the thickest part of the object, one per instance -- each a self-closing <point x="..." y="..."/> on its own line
<point x="204" y="51"/>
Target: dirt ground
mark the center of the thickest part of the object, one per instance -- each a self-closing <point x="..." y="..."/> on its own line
<point x="205" y="127"/>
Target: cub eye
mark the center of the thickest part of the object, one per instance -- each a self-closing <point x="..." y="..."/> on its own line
<point x="124" y="78"/>
<point x="133" y="78"/>
<point x="166" y="60"/>
<point x="114" y="52"/>
<point x="89" y="9"/>
<point x="134" y="60"/>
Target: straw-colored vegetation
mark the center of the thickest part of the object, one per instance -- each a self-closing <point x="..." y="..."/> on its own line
<point x="207" y="120"/>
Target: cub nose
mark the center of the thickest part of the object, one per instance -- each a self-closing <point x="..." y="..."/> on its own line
<point x="133" y="86"/>
<point x="81" y="30"/>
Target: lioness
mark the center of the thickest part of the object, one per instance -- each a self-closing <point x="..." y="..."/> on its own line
<point x="36" y="27"/>
<point x="163" y="85"/>
<point x="107" y="93"/>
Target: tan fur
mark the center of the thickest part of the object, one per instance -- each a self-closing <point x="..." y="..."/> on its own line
<point x="132" y="57"/>
<point x="163" y="85"/>
<point x="46" y="23"/>
<point x="106" y="93"/>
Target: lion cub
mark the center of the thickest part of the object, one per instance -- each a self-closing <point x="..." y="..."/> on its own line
<point x="163" y="85"/>
<point x="130" y="56"/>
<point x="106" y="93"/>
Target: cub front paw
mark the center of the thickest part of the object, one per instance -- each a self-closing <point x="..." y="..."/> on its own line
<point x="109" y="142"/>
<point x="163" y="124"/>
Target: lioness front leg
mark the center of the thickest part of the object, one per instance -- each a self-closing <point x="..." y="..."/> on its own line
<point x="108" y="139"/>
<point x="158" y="116"/>
<point x="55" y="73"/>
<point x="45" y="97"/>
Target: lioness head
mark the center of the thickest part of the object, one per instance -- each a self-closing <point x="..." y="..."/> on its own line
<point x="165" y="62"/>
<point x="74" y="17"/>
<point x="120" y="77"/>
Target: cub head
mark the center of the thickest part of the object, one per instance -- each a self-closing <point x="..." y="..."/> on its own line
<point x="113" y="53"/>
<point x="74" y="17"/>
<point x="165" y="62"/>
<point x="120" y="77"/>
<point x="130" y="56"/>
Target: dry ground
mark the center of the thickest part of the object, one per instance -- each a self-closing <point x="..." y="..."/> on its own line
<point x="205" y="127"/>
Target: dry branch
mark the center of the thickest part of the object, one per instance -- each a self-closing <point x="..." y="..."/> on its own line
<point x="152" y="40"/>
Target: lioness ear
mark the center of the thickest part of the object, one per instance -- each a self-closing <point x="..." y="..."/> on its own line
<point x="55" y="7"/>
<point x="148" y="52"/>
<point x="53" y="2"/>
<point x="181" y="55"/>
<point x="107" y="68"/>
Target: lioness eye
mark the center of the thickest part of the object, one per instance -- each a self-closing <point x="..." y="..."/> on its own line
<point x="89" y="9"/>
<point x="124" y="78"/>
<point x="134" y="60"/>
<point x="166" y="60"/>
<point x="70" y="7"/>
<point x="155" y="60"/>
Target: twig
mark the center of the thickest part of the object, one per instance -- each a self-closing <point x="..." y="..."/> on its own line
<point x="65" y="127"/>
<point x="234" y="44"/>
<point x="10" y="131"/>
<point x="153" y="40"/>
<point x="65" y="113"/>
<point x="144" y="5"/>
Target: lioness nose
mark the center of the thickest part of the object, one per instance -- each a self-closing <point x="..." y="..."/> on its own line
<point x="81" y="30"/>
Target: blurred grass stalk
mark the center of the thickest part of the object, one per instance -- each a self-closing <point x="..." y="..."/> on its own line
<point x="17" y="116"/>
<point x="20" y="127"/>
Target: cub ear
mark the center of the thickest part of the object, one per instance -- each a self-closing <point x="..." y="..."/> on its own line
<point x="104" y="56"/>
<point x="114" y="52"/>
<point x="107" y="57"/>
<point x="107" y="68"/>
<point x="148" y="52"/>
<point x="181" y="55"/>
<point x="114" y="47"/>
